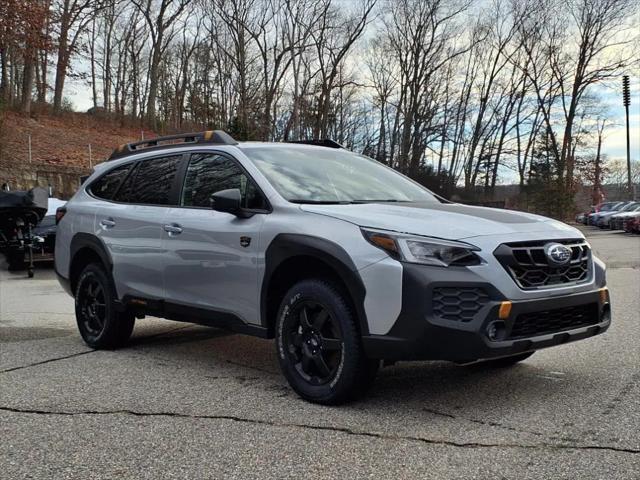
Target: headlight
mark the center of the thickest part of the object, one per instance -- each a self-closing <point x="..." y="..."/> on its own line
<point x="424" y="250"/>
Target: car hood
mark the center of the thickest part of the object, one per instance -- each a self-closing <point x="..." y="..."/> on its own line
<point x="443" y="220"/>
<point x="608" y="214"/>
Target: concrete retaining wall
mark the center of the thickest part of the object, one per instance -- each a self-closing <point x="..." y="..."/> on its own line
<point x="65" y="180"/>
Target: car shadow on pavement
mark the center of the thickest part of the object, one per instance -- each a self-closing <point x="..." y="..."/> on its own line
<point x="412" y="385"/>
<point x="187" y="333"/>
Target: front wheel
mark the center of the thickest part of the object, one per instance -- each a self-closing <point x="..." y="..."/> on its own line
<point x="318" y="344"/>
<point x="100" y="324"/>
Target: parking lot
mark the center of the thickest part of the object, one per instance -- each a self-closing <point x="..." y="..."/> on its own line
<point x="184" y="401"/>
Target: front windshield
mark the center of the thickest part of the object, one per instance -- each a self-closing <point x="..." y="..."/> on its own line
<point x="323" y="175"/>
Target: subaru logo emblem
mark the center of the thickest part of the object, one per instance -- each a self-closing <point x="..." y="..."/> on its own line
<point x="557" y="254"/>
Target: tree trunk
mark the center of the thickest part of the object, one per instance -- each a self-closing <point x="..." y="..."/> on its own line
<point x="61" y="68"/>
<point x="153" y="85"/>
<point x="4" y="80"/>
<point x="92" y="50"/>
<point x="27" y="80"/>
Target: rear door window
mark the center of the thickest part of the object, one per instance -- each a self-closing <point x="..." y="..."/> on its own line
<point x="154" y="182"/>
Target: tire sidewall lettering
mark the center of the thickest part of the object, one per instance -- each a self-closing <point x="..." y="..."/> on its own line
<point x="286" y="310"/>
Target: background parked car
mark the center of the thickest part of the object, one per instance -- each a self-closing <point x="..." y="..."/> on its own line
<point x="632" y="224"/>
<point x="600" y="208"/>
<point x="584" y="217"/>
<point x="595" y="219"/>
<point x="616" y="221"/>
<point x="45" y="232"/>
<point x="603" y="219"/>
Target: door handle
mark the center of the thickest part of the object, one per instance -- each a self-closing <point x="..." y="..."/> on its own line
<point x="107" y="223"/>
<point x="173" y="229"/>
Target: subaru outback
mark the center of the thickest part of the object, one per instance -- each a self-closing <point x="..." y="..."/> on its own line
<point x="342" y="260"/>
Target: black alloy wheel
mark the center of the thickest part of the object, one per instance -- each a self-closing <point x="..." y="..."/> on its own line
<point x="91" y="300"/>
<point x="319" y="344"/>
<point x="314" y="342"/>
<point x="100" y="323"/>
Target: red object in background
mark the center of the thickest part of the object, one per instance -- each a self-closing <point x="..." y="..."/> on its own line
<point x="60" y="211"/>
<point x="632" y="224"/>
<point x="598" y="198"/>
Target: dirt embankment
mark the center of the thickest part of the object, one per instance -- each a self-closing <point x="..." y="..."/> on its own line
<point x="61" y="141"/>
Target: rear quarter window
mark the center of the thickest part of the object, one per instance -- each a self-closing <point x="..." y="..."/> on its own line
<point x="107" y="185"/>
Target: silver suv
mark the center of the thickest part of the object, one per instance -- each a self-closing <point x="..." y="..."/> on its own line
<point x="344" y="261"/>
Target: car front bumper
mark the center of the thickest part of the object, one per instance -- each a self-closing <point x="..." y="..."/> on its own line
<point x="424" y="332"/>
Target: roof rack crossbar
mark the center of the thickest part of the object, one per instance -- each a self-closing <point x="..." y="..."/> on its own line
<point x="325" y="142"/>
<point x="217" y="137"/>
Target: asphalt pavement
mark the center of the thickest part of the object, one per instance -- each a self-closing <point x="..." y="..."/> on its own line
<point x="188" y="402"/>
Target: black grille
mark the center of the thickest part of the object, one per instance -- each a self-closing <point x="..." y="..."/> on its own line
<point x="528" y="265"/>
<point x="458" y="304"/>
<point x="553" y="321"/>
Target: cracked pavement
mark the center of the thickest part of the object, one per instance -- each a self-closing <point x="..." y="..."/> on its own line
<point x="184" y="401"/>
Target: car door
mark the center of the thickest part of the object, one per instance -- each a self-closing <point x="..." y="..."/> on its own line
<point x="131" y="226"/>
<point x="211" y="257"/>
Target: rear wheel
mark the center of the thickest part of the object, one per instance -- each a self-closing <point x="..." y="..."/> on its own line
<point x="318" y="344"/>
<point x="100" y="324"/>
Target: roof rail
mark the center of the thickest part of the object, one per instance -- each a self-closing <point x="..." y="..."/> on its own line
<point x="216" y="137"/>
<point x="326" y="142"/>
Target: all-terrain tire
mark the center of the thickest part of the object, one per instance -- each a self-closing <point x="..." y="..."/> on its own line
<point x="324" y="363"/>
<point x="101" y="325"/>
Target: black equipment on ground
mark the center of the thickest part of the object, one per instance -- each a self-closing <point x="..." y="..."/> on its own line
<point x="20" y="212"/>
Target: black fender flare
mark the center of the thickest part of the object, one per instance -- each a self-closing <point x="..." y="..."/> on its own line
<point x="286" y="245"/>
<point x="81" y="241"/>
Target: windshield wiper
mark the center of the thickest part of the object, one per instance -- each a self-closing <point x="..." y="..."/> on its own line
<point x="346" y="202"/>
<point x="318" y="202"/>
<point x="381" y="200"/>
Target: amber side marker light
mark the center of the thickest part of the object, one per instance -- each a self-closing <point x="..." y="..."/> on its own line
<point x="505" y="310"/>
<point x="384" y="242"/>
<point x="604" y="295"/>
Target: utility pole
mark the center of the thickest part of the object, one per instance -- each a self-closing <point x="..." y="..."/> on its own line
<point x="626" y="99"/>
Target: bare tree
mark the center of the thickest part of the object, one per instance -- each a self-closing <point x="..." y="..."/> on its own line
<point x="565" y="62"/>
<point x="333" y="40"/>
<point x="161" y="17"/>
<point x="422" y="35"/>
<point x="73" y="17"/>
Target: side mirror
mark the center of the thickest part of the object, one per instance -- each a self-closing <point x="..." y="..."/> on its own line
<point x="228" y="201"/>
